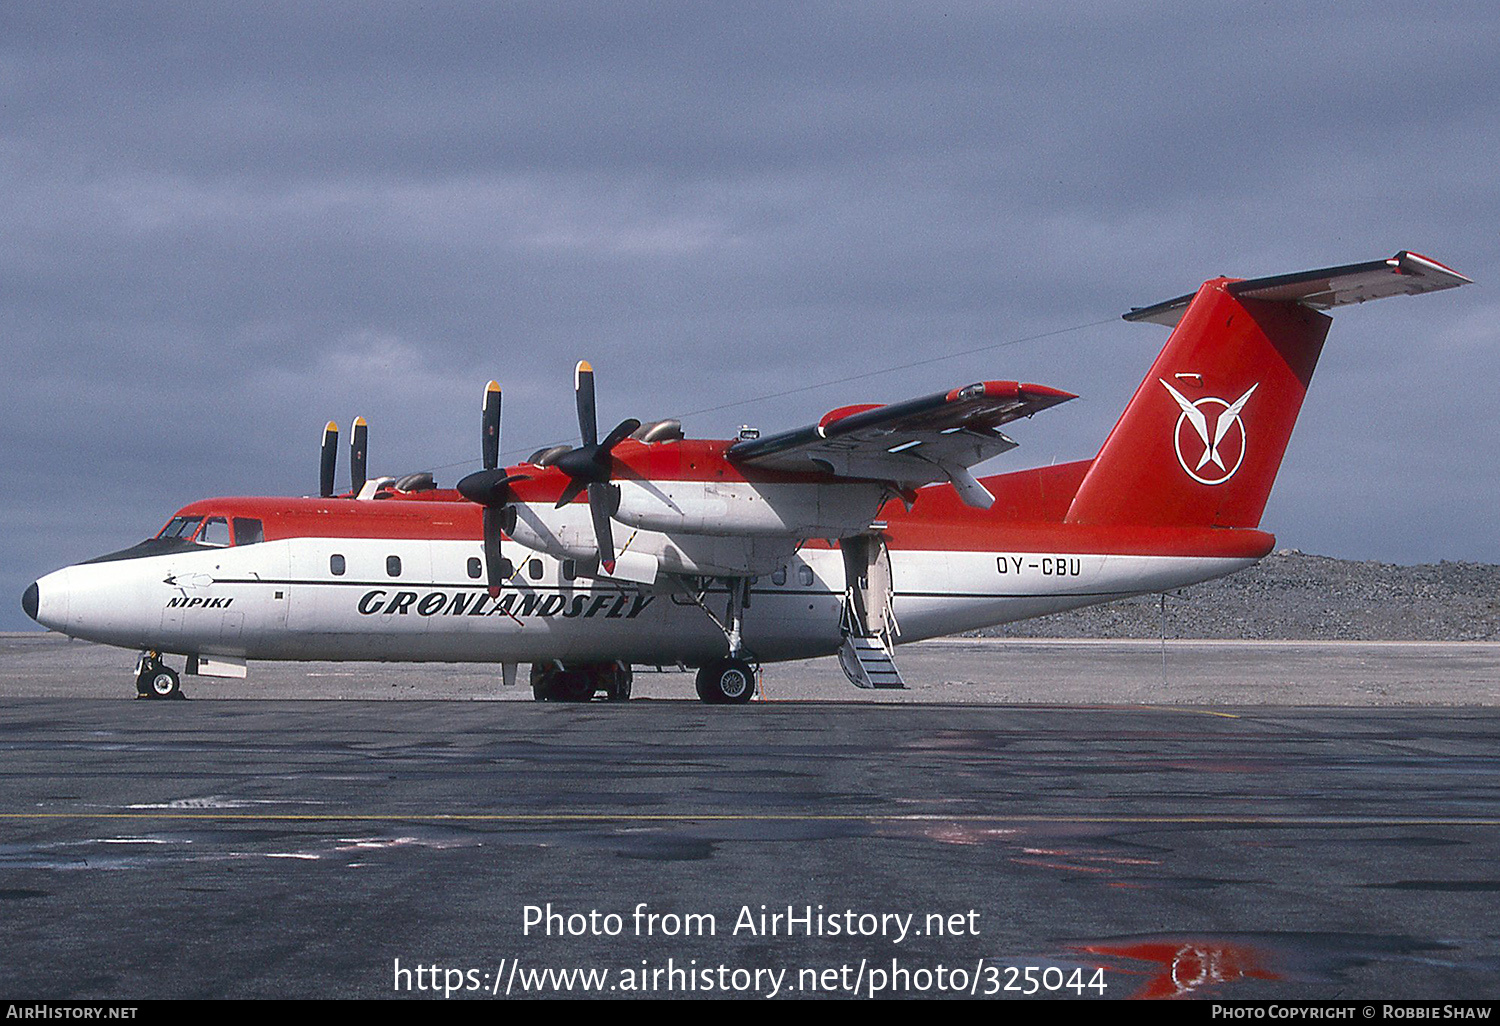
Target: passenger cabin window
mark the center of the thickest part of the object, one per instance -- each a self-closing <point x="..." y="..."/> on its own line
<point x="805" y="575"/>
<point x="569" y="570"/>
<point x="248" y="531"/>
<point x="215" y="532"/>
<point x="181" y="527"/>
<point x="475" y="567"/>
<point x="779" y="577"/>
<point x="393" y="566"/>
<point x="534" y="569"/>
<point x="336" y="565"/>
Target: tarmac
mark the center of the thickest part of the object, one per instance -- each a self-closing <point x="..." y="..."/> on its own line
<point x="985" y="671"/>
<point x="1259" y="820"/>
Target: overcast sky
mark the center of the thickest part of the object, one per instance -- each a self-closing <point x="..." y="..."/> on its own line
<point x="222" y="225"/>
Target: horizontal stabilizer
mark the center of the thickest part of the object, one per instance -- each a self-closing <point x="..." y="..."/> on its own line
<point x="1405" y="274"/>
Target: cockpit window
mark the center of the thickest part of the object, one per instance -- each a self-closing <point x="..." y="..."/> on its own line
<point x="248" y="531"/>
<point x="181" y="527"/>
<point x="215" y="532"/>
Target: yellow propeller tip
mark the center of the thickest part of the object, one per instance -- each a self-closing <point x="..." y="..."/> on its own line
<point x="331" y="427"/>
<point x="493" y="386"/>
<point x="584" y="365"/>
<point x="360" y="422"/>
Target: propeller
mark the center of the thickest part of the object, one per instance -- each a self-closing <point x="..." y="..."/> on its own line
<point x="491" y="489"/>
<point x="330" y="459"/>
<point x="588" y="466"/>
<point x="490" y="440"/>
<point x="358" y="455"/>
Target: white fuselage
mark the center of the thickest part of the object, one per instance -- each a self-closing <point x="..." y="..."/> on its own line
<point x="283" y="600"/>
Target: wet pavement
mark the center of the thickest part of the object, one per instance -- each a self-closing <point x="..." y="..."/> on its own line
<point x="977" y="671"/>
<point x="231" y="848"/>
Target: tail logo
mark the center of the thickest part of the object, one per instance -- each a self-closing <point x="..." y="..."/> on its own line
<point x="1210" y="453"/>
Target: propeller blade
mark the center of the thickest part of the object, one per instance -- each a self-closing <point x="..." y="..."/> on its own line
<point x="622" y="431"/>
<point x="491" y="437"/>
<point x="601" y="499"/>
<point x="493" y="567"/>
<point x="571" y="492"/>
<point x="330" y="459"/>
<point x="583" y="386"/>
<point x="358" y="454"/>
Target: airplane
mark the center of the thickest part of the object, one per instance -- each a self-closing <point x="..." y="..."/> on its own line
<point x="647" y="548"/>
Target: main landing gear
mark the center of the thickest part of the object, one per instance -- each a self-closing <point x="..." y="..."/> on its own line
<point x="155" y="679"/>
<point x="554" y="682"/>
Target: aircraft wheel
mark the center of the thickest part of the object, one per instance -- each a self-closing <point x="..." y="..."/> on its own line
<point x="726" y="682"/>
<point x="162" y="682"/>
<point x="619" y="679"/>
<point x="543" y="682"/>
<point x="574" y="686"/>
<point x="566" y="685"/>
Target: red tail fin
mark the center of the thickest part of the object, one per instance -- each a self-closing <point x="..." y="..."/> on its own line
<point x="1201" y="441"/>
<point x="1203" y="437"/>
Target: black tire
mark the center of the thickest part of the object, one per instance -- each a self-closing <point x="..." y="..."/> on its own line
<point x="148" y="667"/>
<point x="574" y="686"/>
<point x="569" y="684"/>
<point x="620" y="679"/>
<point x="163" y="682"/>
<point x="543" y="678"/>
<point x="726" y="682"/>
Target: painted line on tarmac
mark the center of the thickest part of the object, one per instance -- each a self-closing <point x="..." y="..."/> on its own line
<point x="1187" y="709"/>
<point x="689" y="817"/>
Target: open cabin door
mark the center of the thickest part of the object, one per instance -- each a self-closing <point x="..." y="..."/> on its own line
<point x="869" y="621"/>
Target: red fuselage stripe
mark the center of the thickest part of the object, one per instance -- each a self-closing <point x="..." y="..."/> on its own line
<point x="1027" y="516"/>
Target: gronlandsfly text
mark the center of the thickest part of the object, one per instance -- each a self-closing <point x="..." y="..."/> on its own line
<point x="609" y="606"/>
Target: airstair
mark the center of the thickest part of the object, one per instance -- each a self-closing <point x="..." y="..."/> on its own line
<point x="867" y="663"/>
<point x="869" y="620"/>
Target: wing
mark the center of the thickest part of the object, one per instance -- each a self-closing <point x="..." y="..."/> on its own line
<point x="917" y="442"/>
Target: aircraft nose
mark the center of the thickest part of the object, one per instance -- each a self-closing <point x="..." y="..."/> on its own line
<point x="31" y="599"/>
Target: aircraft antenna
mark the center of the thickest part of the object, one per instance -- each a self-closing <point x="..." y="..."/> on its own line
<point x="990" y="347"/>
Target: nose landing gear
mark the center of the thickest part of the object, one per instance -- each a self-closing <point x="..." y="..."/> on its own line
<point x="155" y="679"/>
<point x="727" y="681"/>
<point x="730" y="679"/>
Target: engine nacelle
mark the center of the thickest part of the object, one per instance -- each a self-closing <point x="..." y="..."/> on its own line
<point x="743" y="509"/>
<point x="568" y="533"/>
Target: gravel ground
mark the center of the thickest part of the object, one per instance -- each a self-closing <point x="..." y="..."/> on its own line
<point x="1295" y="596"/>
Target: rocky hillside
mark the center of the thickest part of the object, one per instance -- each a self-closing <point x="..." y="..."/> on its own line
<point x="1292" y="595"/>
